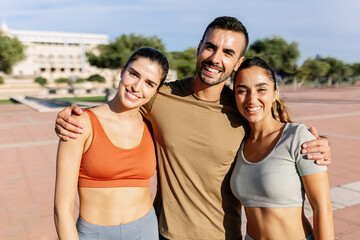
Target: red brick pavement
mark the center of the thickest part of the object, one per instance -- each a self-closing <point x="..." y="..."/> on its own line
<point x="28" y="149"/>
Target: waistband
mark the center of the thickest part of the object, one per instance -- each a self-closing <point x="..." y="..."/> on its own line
<point x="310" y="237"/>
<point x="149" y="215"/>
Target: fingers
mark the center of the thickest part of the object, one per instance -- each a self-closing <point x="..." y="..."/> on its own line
<point x="323" y="162"/>
<point x="66" y="130"/>
<point x="320" y="142"/>
<point x="66" y="126"/>
<point x="314" y="132"/>
<point x="318" y="150"/>
<point x="76" y="109"/>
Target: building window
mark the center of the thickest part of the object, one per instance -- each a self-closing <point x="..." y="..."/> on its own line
<point x="72" y="69"/>
<point x="42" y="69"/>
<point x="53" y="69"/>
<point x="62" y="69"/>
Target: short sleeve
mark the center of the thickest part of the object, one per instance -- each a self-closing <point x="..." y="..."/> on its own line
<point x="304" y="165"/>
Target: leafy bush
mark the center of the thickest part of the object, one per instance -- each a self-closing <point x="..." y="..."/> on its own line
<point x="1" y="80"/>
<point x="96" y="78"/>
<point x="62" y="80"/>
<point x="80" y="80"/>
<point x="40" y="80"/>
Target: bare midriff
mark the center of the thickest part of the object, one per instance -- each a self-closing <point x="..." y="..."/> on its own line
<point x="277" y="223"/>
<point x="114" y="206"/>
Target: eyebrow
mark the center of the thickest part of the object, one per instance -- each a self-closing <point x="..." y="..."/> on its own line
<point x="226" y="49"/>
<point x="137" y="73"/>
<point x="257" y="85"/>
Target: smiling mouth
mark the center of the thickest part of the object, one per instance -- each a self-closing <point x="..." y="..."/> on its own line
<point x="212" y="70"/>
<point x="253" y="109"/>
<point x="129" y="93"/>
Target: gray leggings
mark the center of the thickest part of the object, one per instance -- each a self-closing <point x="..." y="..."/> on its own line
<point x="145" y="228"/>
<point x="310" y="237"/>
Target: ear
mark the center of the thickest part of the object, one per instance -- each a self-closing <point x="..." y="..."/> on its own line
<point x="238" y="63"/>
<point x="198" y="48"/>
<point x="276" y="94"/>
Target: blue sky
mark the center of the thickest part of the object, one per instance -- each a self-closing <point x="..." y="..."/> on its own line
<point x="324" y="27"/>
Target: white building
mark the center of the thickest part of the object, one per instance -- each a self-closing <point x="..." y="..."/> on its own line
<point x="55" y="54"/>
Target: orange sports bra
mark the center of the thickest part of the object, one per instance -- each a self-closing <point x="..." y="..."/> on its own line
<point x="104" y="165"/>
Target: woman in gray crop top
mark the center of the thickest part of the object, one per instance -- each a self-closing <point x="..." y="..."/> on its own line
<point x="270" y="176"/>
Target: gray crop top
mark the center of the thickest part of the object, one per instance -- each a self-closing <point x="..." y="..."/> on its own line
<point x="275" y="180"/>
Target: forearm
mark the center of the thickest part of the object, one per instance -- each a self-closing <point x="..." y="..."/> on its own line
<point x="65" y="225"/>
<point x="323" y="223"/>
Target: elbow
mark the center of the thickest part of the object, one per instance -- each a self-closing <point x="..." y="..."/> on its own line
<point x="323" y="209"/>
<point x="61" y="212"/>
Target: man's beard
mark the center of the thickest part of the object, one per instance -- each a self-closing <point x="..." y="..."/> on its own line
<point x="203" y="79"/>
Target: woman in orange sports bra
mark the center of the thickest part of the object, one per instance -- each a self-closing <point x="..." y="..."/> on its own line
<point x="110" y="165"/>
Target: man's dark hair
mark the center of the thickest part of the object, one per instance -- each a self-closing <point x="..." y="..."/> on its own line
<point x="231" y="24"/>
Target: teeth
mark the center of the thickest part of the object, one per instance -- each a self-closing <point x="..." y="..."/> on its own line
<point x="253" y="109"/>
<point x="212" y="69"/>
<point x="132" y="95"/>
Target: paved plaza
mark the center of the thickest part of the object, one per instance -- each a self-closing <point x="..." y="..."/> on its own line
<point x="28" y="151"/>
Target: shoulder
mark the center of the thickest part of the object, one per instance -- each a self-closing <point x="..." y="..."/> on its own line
<point x="178" y="87"/>
<point x="302" y="132"/>
<point x="85" y="119"/>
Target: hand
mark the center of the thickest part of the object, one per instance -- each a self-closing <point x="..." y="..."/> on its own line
<point x="66" y="126"/>
<point x="319" y="145"/>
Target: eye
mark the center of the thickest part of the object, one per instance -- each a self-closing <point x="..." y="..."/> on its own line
<point x="209" y="47"/>
<point x="150" y="84"/>
<point x="132" y="74"/>
<point x="229" y="53"/>
<point x="262" y="89"/>
<point x="241" y="91"/>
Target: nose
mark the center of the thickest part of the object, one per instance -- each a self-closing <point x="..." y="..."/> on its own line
<point x="251" y="97"/>
<point x="215" y="57"/>
<point x="137" y="85"/>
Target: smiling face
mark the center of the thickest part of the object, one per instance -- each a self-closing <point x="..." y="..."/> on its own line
<point x="254" y="94"/>
<point x="219" y="55"/>
<point x="139" y="82"/>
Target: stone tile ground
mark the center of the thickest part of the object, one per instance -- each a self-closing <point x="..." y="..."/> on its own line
<point x="28" y="149"/>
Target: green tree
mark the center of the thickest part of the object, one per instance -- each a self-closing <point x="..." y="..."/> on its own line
<point x="115" y="54"/>
<point x="62" y="80"/>
<point x="338" y="72"/>
<point x="281" y="55"/>
<point x="314" y="69"/>
<point x="96" y="78"/>
<point x="183" y="62"/>
<point x="40" y="80"/>
<point x="356" y="69"/>
<point x="334" y="72"/>
<point x="11" y="52"/>
<point x="355" y="72"/>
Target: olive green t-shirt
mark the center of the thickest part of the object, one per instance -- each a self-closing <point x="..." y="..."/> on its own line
<point x="196" y="143"/>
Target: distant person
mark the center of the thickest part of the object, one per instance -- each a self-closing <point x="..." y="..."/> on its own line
<point x="197" y="132"/>
<point x="111" y="163"/>
<point x="271" y="176"/>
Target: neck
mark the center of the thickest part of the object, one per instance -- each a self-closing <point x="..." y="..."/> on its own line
<point x="260" y="130"/>
<point x="122" y="112"/>
<point x="206" y="92"/>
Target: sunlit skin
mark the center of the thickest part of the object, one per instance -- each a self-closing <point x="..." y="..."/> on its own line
<point x="254" y="94"/>
<point x="139" y="82"/>
<point x="120" y="117"/>
<point x="219" y="54"/>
